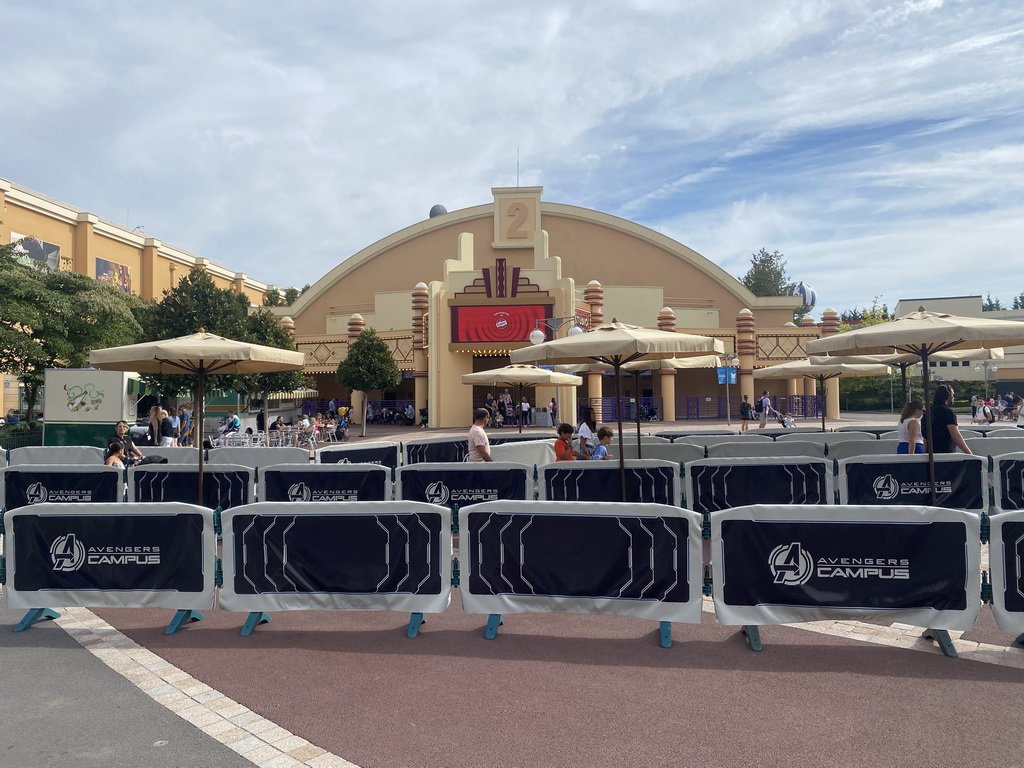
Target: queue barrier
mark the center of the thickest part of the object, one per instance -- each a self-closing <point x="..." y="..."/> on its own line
<point x="3" y="458"/>
<point x="746" y="447"/>
<point x="324" y="482"/>
<point x="382" y="452"/>
<point x="996" y="446"/>
<point x="1006" y="559"/>
<point x="1008" y="482"/>
<point x="867" y="447"/>
<point x="110" y="555"/>
<point x="259" y="455"/>
<point x="532" y="452"/>
<point x="179" y="455"/>
<point x="641" y="560"/>
<point x="961" y="481"/>
<point x="649" y="481"/>
<point x="680" y="453"/>
<point x="712" y="485"/>
<point x="56" y="454"/>
<point x="771" y="564"/>
<point x="24" y="485"/>
<point x="460" y="485"/>
<point x="789" y="563"/>
<point x="224" y="485"/>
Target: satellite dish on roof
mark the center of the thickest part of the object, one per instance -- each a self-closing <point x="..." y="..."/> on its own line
<point x="438" y="210"/>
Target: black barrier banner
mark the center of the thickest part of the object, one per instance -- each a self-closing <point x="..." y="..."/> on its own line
<point x="221" y="488"/>
<point x="866" y="565"/>
<point x="566" y="482"/>
<point x="428" y="453"/>
<point x="448" y="487"/>
<point x="365" y="554"/>
<point x="1012" y="555"/>
<point x="1011" y="483"/>
<point x="386" y="456"/>
<point x="618" y="558"/>
<point x="142" y="552"/>
<point x="24" y="487"/>
<point x="720" y="486"/>
<point x="304" y="484"/>
<point x="959" y="484"/>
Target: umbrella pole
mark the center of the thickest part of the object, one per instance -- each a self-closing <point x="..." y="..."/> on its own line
<point x="618" y="418"/>
<point x="904" y="381"/>
<point x="636" y="408"/>
<point x="518" y="405"/>
<point x="926" y="378"/>
<point x="201" y="387"/>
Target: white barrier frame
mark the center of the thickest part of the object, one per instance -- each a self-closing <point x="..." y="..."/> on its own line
<point x="1006" y="620"/>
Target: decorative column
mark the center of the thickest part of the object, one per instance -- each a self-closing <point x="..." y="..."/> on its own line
<point x="746" y="351"/>
<point x="829" y="326"/>
<point x="593" y="295"/>
<point x="148" y="288"/>
<point x="667" y="376"/>
<point x="420" y="374"/>
<point x="289" y="325"/>
<point x="82" y="261"/>
<point x="356" y="324"/>
<point x="810" y="386"/>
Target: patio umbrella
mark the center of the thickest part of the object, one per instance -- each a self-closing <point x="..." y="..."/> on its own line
<point x="617" y="344"/>
<point x="904" y="361"/>
<point x="521" y="376"/>
<point x="639" y="366"/>
<point x="202" y="354"/>
<point x="820" y="372"/>
<point x="923" y="334"/>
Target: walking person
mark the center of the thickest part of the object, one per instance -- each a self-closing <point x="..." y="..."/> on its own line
<point x="765" y="410"/>
<point x="911" y="439"/>
<point x="745" y="410"/>
<point x="525" y="407"/>
<point x="941" y="427"/>
<point x="478" y="442"/>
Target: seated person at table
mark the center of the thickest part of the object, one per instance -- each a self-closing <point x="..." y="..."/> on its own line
<point x="115" y="455"/>
<point x="604" y="439"/>
<point x="563" y="445"/>
<point x="278" y="424"/>
<point x="122" y="434"/>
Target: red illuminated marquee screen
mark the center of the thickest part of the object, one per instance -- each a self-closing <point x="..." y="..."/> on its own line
<point x="471" y="325"/>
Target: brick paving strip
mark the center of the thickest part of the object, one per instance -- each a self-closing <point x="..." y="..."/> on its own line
<point x="268" y="745"/>
<point x="259" y="740"/>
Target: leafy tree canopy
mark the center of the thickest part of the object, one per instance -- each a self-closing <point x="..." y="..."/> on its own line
<point x="767" y="274"/>
<point x="861" y="318"/>
<point x="369" y="364"/>
<point x="52" y="319"/>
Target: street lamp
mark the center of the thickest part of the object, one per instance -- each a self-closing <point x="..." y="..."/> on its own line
<point x="729" y="364"/>
<point x="989" y="370"/>
<point x="537" y="336"/>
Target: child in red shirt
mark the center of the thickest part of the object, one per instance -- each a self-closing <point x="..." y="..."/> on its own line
<point x="563" y="445"/>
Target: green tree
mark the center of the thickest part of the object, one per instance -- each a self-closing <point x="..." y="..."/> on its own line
<point x="195" y="302"/>
<point x="1018" y="301"/>
<point x="263" y="328"/>
<point x="54" y="319"/>
<point x="991" y="305"/>
<point x="368" y="366"/>
<point x="861" y="318"/>
<point x="767" y="274"/>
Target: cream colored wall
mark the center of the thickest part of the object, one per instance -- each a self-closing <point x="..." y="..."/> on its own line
<point x="633" y="304"/>
<point x="697" y="318"/>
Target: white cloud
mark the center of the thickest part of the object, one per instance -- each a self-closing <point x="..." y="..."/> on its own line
<point x="248" y="132"/>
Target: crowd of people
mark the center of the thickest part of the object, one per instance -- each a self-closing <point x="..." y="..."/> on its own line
<point x="504" y="412"/>
<point x="992" y="409"/>
<point x="592" y="445"/>
<point x="942" y="427"/>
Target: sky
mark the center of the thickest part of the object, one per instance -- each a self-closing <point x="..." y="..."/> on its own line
<point x="879" y="145"/>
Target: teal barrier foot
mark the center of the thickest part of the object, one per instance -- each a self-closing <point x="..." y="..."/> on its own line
<point x="665" y="631"/>
<point x="34" y="615"/>
<point x="1019" y="640"/>
<point x="941" y="637"/>
<point x="753" y="634"/>
<point x="416" y="621"/>
<point x="253" y="620"/>
<point x="180" y="618"/>
<point x="493" y="622"/>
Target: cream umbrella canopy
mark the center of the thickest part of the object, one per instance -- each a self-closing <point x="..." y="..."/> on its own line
<point x="201" y="354"/>
<point x="522" y="376"/>
<point x="820" y="372"/>
<point x="617" y="344"/>
<point x="923" y="334"/>
<point x="904" y="360"/>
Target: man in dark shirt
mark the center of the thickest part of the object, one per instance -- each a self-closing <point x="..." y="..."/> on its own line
<point x="124" y="436"/>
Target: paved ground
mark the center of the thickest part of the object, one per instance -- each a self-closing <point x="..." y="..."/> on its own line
<point x="321" y="689"/>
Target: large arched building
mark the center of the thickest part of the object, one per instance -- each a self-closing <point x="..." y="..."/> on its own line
<point x="455" y="293"/>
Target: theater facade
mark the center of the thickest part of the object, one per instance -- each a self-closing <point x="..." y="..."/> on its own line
<point x="454" y="294"/>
